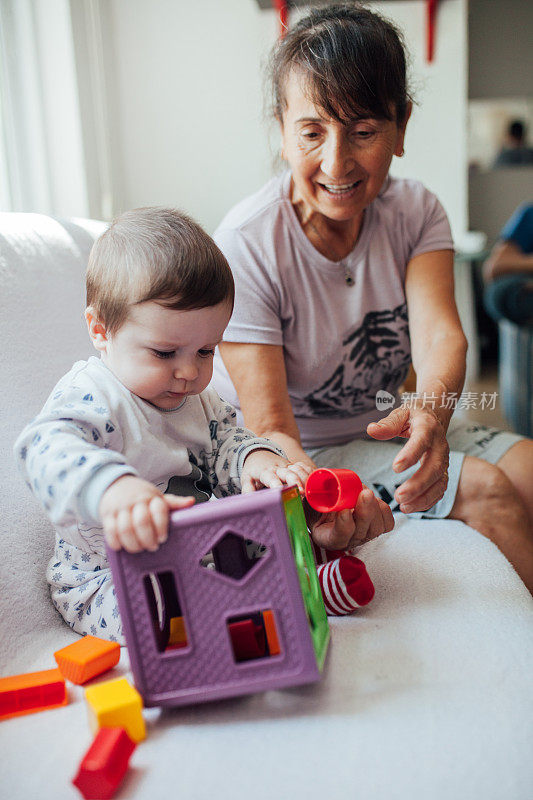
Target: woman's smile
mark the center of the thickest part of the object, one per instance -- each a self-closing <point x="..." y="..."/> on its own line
<point x="339" y="191"/>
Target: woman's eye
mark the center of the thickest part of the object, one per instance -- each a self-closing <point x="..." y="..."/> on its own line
<point x="363" y="134"/>
<point x="164" y="353"/>
<point x="310" y="136"/>
<point x="206" y="353"/>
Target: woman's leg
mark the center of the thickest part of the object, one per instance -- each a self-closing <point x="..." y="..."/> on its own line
<point x="489" y="501"/>
<point x="489" y="488"/>
<point x="517" y="463"/>
<point x="372" y="460"/>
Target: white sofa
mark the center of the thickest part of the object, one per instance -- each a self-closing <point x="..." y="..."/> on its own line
<point x="427" y="693"/>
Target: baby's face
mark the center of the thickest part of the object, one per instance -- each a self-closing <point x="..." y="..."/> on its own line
<point x="162" y="355"/>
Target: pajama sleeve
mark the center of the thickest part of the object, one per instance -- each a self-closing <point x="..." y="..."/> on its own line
<point x="231" y="445"/>
<point x="70" y="453"/>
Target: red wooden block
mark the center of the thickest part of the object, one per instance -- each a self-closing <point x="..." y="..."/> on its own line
<point x="31" y="691"/>
<point x="248" y="639"/>
<point x="104" y="764"/>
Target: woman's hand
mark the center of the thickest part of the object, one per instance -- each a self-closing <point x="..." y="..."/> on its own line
<point x="134" y="514"/>
<point x="348" y="529"/>
<point x="426" y="443"/>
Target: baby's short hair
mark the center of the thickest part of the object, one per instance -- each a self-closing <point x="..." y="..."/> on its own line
<point x="158" y="254"/>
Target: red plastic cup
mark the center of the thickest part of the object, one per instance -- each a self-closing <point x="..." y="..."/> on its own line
<point x="332" y="489"/>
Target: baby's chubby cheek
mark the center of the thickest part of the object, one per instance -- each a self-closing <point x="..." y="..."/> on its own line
<point x="139" y="381"/>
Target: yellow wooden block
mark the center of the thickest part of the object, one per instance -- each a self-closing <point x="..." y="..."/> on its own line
<point x="116" y="704"/>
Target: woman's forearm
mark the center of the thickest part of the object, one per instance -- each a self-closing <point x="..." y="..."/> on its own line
<point x="438" y="344"/>
<point x="441" y="375"/>
<point x="258" y="374"/>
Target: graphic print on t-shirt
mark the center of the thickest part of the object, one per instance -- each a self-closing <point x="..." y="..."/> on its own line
<point x="376" y="355"/>
<point x="196" y="484"/>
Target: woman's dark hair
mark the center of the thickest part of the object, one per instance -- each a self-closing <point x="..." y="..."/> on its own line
<point x="352" y="59"/>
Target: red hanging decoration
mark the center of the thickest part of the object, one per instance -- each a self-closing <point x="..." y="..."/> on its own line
<point x="282" y="7"/>
<point x="431" y="14"/>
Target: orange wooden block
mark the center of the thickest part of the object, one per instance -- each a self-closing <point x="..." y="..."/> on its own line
<point x="31" y="691"/>
<point x="90" y="656"/>
<point x="271" y="633"/>
<point x="178" y="632"/>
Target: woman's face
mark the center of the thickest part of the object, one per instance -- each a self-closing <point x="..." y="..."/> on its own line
<point x="337" y="168"/>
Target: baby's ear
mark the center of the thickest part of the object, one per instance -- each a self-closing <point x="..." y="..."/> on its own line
<point x="97" y="329"/>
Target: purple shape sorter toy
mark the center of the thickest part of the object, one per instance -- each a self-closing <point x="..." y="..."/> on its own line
<point x="230" y="604"/>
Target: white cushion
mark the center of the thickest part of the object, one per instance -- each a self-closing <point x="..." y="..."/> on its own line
<point x="42" y="300"/>
<point x="427" y="692"/>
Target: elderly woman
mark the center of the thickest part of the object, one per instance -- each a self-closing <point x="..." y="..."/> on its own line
<point x="344" y="276"/>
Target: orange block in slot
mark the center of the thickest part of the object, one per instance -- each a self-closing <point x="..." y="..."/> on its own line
<point x="86" y="658"/>
<point x="271" y="633"/>
<point x="30" y="692"/>
<point x="178" y="632"/>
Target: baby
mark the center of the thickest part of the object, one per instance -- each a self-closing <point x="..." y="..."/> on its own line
<point x="125" y="438"/>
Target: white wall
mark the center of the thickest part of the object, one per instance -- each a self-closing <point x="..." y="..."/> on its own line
<point x="435" y="148"/>
<point x="188" y="114"/>
<point x="189" y="102"/>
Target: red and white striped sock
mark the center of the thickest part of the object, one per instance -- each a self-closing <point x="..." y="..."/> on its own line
<point x="345" y="585"/>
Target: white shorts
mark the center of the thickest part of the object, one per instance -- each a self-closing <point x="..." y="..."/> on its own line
<point x="372" y="461"/>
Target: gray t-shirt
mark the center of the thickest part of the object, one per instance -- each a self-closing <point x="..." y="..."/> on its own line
<point x="342" y="343"/>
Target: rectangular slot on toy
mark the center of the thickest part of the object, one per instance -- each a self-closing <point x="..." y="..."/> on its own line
<point x="254" y="636"/>
<point x="233" y="555"/>
<point x="168" y="622"/>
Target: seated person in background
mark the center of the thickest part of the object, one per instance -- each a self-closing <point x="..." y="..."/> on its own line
<point x="508" y="271"/>
<point x="125" y="438"/>
<point x="515" y="151"/>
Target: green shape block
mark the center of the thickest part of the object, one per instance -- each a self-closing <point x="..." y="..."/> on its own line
<point x="306" y="568"/>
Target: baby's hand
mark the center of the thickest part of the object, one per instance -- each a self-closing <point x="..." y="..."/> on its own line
<point x="263" y="468"/>
<point x="134" y="514"/>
